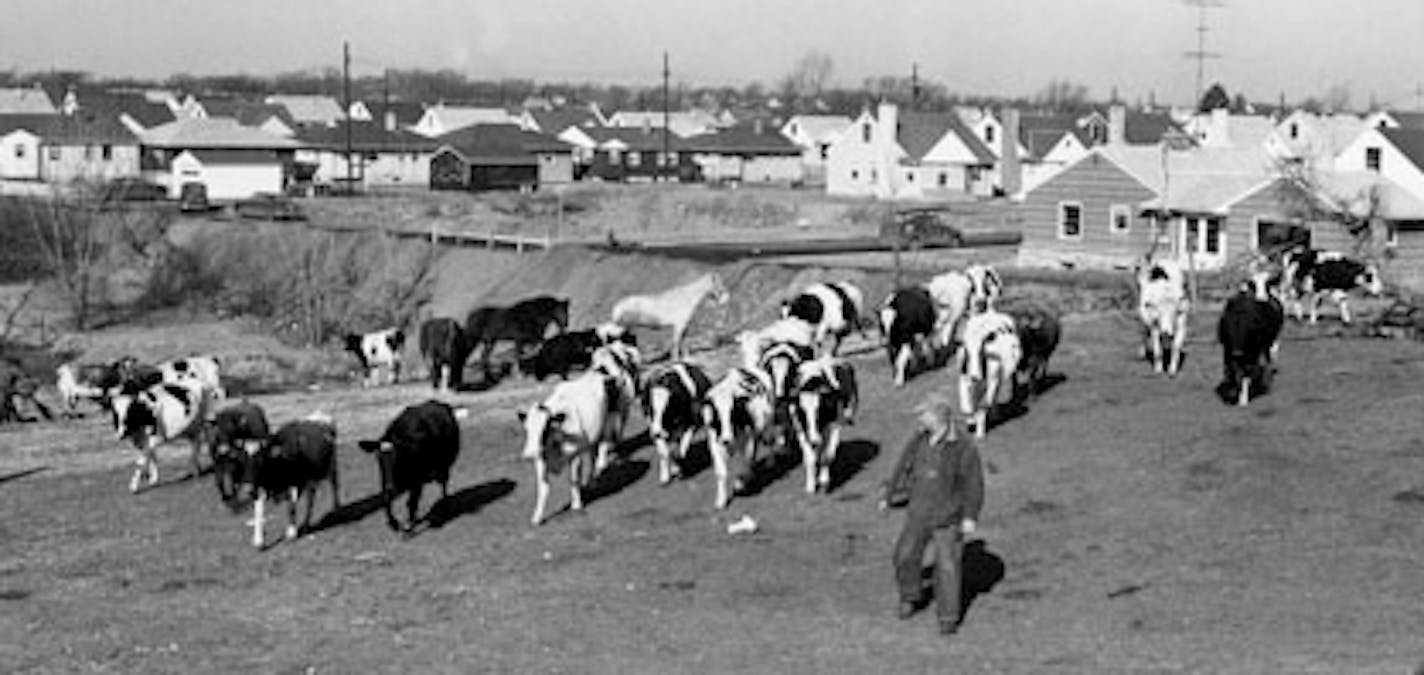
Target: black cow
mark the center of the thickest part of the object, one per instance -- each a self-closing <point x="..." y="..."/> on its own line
<point x="907" y="318"/>
<point x="289" y="467"/>
<point x="561" y="354"/>
<point x="418" y="447"/>
<point x="1039" y="331"/>
<point x="445" y="347"/>
<point x="1248" y="330"/>
<point x="235" y="434"/>
<point x="525" y="322"/>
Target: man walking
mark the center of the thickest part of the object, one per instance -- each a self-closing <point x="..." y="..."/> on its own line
<point x="940" y="476"/>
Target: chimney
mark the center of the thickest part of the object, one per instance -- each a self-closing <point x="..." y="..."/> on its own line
<point x="390" y="120"/>
<point x="1117" y="124"/>
<point x="1010" y="170"/>
<point x="1219" y="131"/>
<point x="886" y="135"/>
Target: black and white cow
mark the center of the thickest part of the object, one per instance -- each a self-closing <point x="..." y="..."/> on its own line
<point x="577" y="421"/>
<point x="526" y="323"/>
<point x="826" y="398"/>
<point x="672" y="402"/>
<point x="1249" y="332"/>
<point x="907" y="322"/>
<point x="1039" y="331"/>
<point x="289" y="467"/>
<point x="740" y="412"/>
<point x="377" y="351"/>
<point x="562" y="354"/>
<point x="445" y="347"/>
<point x="206" y="371"/>
<point x="162" y="413"/>
<point x="623" y="364"/>
<point x="418" y="447"/>
<point x="1315" y="274"/>
<point x="830" y="308"/>
<point x="235" y="434"/>
<point x="989" y="355"/>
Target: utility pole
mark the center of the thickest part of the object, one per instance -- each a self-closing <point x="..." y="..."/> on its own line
<point x="1200" y="53"/>
<point x="346" y="107"/>
<point x="667" y="128"/>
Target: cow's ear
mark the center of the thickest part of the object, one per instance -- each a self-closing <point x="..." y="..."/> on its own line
<point x="558" y="417"/>
<point x="522" y="415"/>
<point x="369" y="446"/>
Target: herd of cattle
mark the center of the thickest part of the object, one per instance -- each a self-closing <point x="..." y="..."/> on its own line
<point x="791" y="387"/>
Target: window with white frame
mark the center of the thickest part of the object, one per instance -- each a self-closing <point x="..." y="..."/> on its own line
<point x="1070" y="220"/>
<point x="54" y="153"/>
<point x="989" y="133"/>
<point x="865" y="132"/>
<point x="1372" y="159"/>
<point x="635" y="158"/>
<point x="944" y="179"/>
<point x="107" y="152"/>
<point x="614" y="157"/>
<point x="1119" y="219"/>
<point x="1203" y="236"/>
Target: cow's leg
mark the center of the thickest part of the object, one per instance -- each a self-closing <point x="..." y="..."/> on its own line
<point x="902" y="363"/>
<point x="259" y="517"/>
<point x="1159" y="363"/>
<point x="1314" y="307"/>
<point x="1179" y="339"/>
<point x="576" y="481"/>
<point x="197" y="448"/>
<point x="718" y="450"/>
<point x="1341" y="299"/>
<point x="991" y="401"/>
<point x="412" y="506"/>
<point x="140" y="464"/>
<point x="151" y="456"/>
<point x="682" y="448"/>
<point x="390" y="505"/>
<point x="1243" y="395"/>
<point x="335" y="488"/>
<point x="664" y="460"/>
<point x="541" y="490"/>
<point x="602" y="460"/>
<point x="808" y="457"/>
<point x="294" y="495"/>
<point x="828" y="459"/>
<point x="677" y="334"/>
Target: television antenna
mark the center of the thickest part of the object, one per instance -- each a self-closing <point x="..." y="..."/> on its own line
<point x="1200" y="53"/>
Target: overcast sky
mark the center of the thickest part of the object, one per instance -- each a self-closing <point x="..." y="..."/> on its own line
<point x="1299" y="47"/>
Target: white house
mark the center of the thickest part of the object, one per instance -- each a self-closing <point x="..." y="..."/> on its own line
<point x="441" y="119"/>
<point x="84" y="148"/>
<point x="890" y="154"/>
<point x="1395" y="153"/>
<point x="19" y="154"/>
<point x="380" y="157"/>
<point x="232" y="160"/>
<point x="228" y="173"/>
<point x="1221" y="129"/>
<point x="1303" y="136"/>
<point x="25" y="101"/>
<point x="815" y="134"/>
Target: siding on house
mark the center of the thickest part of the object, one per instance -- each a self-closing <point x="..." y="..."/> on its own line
<point x="1097" y="184"/>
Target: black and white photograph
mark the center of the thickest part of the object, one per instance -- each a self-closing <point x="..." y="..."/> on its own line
<point x="637" y="336"/>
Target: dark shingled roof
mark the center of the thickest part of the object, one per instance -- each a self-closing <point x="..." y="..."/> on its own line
<point x="920" y="132"/>
<point x="365" y="137"/>
<point x="77" y="129"/>
<point x="743" y="140"/>
<point x="408" y="113"/>
<point x="1410" y="143"/>
<point x="636" y="138"/>
<point x="554" y="121"/>
<point x="1148" y="128"/>
<point x="500" y="144"/>
<point x="248" y="113"/>
<point x="1408" y="120"/>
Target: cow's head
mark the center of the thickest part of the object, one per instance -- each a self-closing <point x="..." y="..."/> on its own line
<point x="1370" y="280"/>
<point x="395" y="340"/>
<point x="780" y="361"/>
<point x="136" y="420"/>
<point x="719" y="290"/>
<point x="543" y="428"/>
<point x="815" y="381"/>
<point x="1260" y="285"/>
<point x="353" y="345"/>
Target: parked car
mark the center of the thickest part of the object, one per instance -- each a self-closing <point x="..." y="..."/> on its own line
<point x="267" y="206"/>
<point x="922" y="226"/>
<point x="193" y="198"/>
<point x="132" y="189"/>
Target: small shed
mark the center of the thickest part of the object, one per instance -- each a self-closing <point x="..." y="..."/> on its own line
<point x="499" y="157"/>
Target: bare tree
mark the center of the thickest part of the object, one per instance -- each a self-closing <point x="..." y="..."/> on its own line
<point x="808" y="77"/>
<point x="84" y="233"/>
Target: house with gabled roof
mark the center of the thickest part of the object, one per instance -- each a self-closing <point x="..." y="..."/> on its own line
<point x="1307" y="137"/>
<point x="269" y="117"/>
<point x="889" y="153"/>
<point x="683" y="123"/>
<point x="380" y="157"/>
<point x="392" y="115"/>
<point x="1395" y="119"/>
<point x="1396" y="153"/>
<point x="26" y="101"/>
<point x="308" y="108"/>
<point x="1050" y="143"/>
<point x="815" y="134"/>
<point x="749" y="154"/>
<point x="639" y="155"/>
<point x="441" y="119"/>
<point x="499" y="157"/>
<point x="554" y="121"/>
<point x="1220" y="128"/>
<point x="232" y="161"/>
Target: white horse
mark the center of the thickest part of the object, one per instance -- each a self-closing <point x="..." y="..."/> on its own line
<point x="673" y="308"/>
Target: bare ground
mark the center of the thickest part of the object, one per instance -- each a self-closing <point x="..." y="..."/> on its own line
<point x="1134" y="523"/>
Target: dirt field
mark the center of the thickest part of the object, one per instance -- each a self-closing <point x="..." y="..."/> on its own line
<point x="1133" y="523"/>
